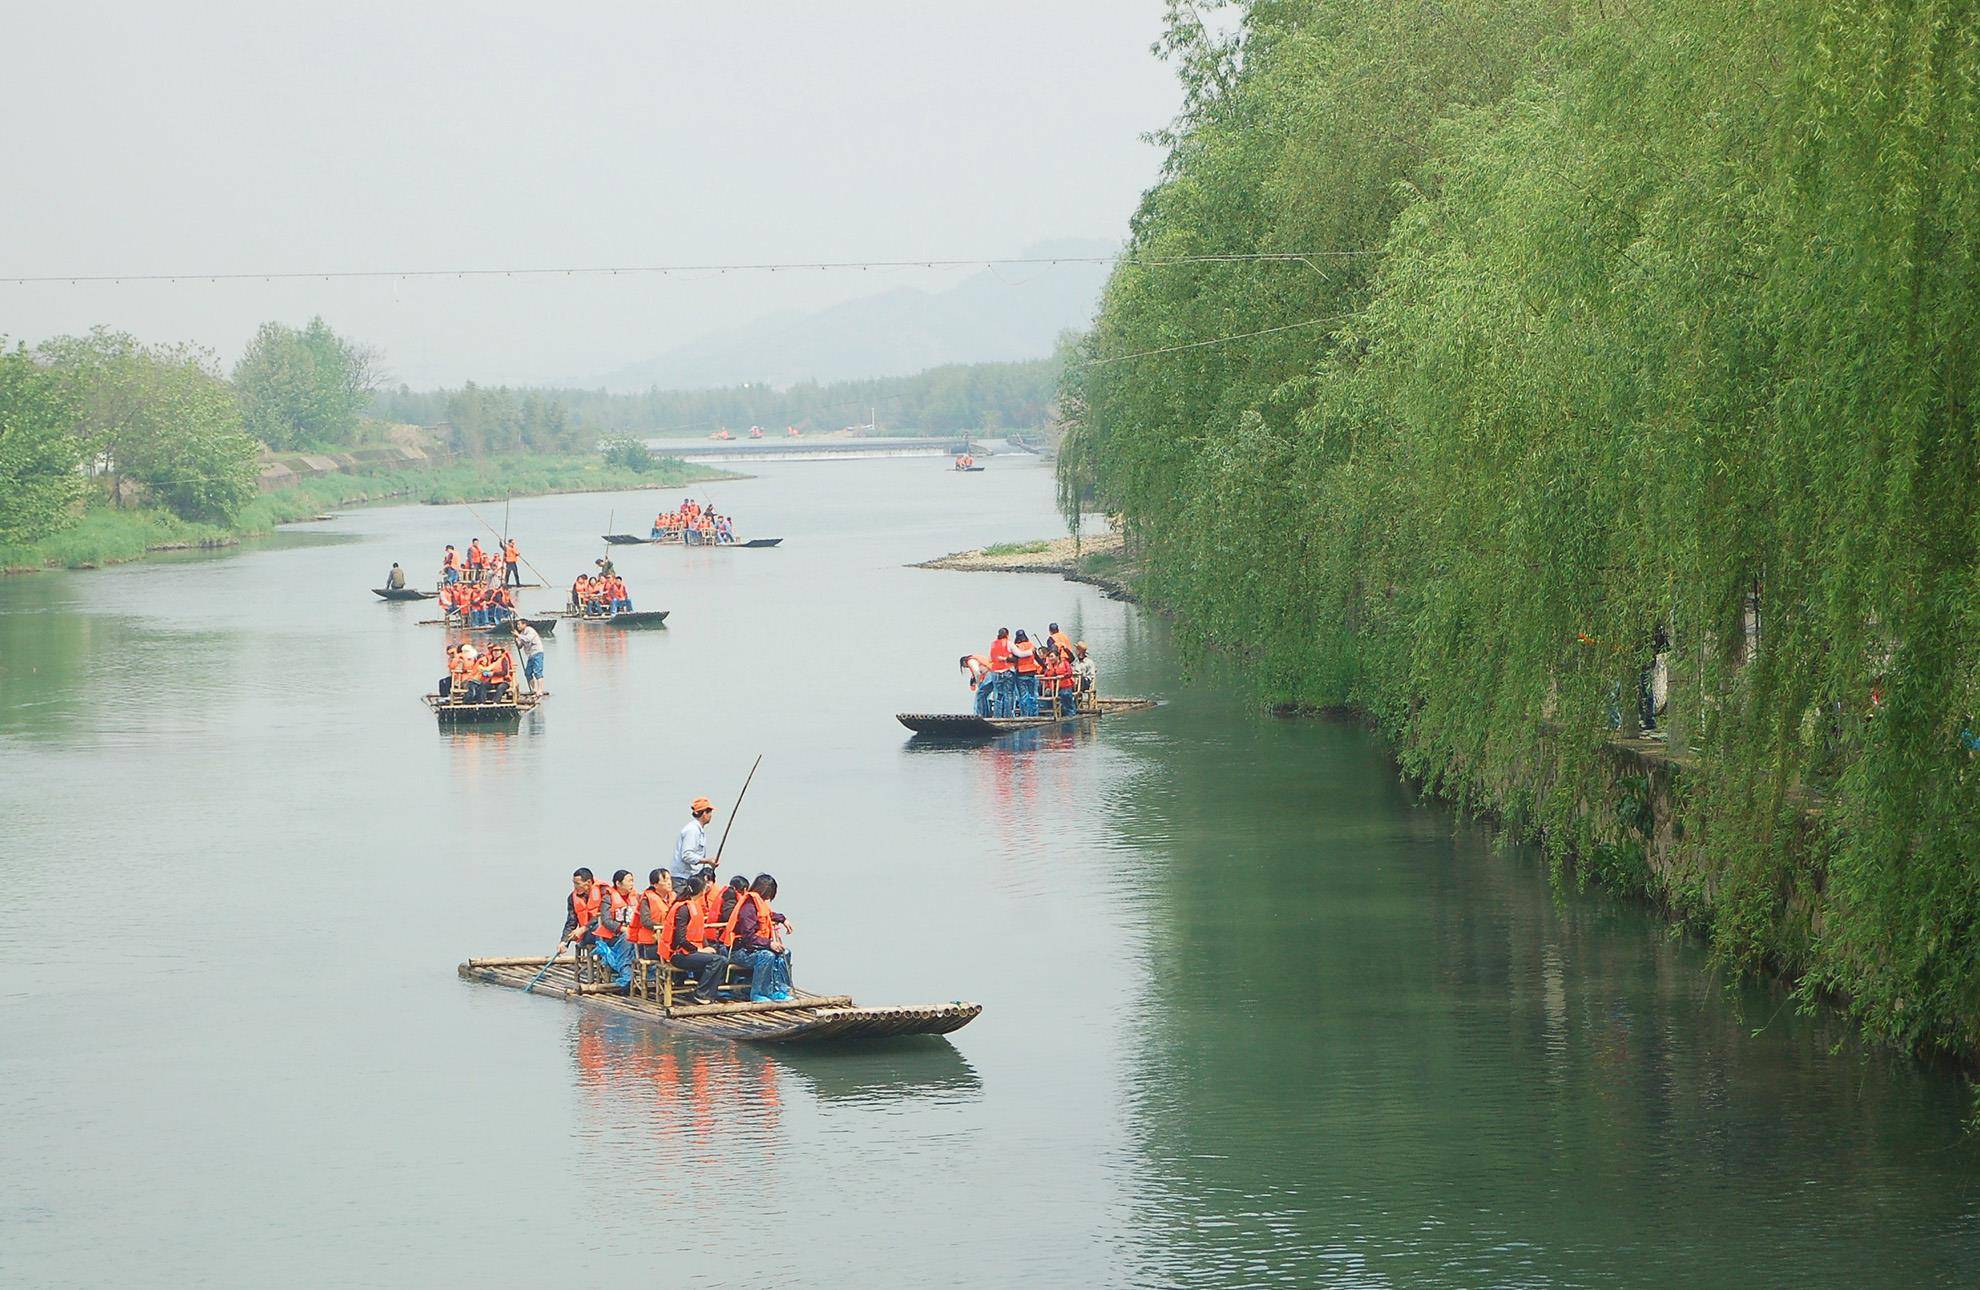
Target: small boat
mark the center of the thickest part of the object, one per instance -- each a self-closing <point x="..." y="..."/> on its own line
<point x="626" y="618"/>
<point x="754" y="544"/>
<point x="967" y="725"/>
<point x="546" y="625"/>
<point x="402" y="593"/>
<point x="805" y="1018"/>
<point x="968" y="470"/>
<point x="469" y="714"/>
<point x="631" y="539"/>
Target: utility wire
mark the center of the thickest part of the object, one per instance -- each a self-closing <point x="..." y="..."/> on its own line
<point x="329" y="275"/>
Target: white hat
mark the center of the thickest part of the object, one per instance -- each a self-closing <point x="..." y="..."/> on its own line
<point x="467" y="651"/>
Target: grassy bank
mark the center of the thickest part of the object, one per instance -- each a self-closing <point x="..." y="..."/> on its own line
<point x="112" y="536"/>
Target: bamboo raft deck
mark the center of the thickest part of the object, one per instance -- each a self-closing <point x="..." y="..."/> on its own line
<point x="806" y="1018"/>
<point x="967" y="725"/>
<point x="545" y="624"/>
<point x="467" y="714"/>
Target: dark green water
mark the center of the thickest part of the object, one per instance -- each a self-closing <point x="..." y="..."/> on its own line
<point x="1252" y="1014"/>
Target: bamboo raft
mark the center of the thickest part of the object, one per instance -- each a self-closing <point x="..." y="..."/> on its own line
<point x="806" y="1018"/>
<point x="402" y="593"/>
<point x="675" y="539"/>
<point x="627" y="618"/>
<point x="967" y="725"/>
<point x="545" y="625"/>
<point x="470" y="714"/>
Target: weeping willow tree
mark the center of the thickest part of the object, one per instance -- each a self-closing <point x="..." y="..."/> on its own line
<point x="1613" y="322"/>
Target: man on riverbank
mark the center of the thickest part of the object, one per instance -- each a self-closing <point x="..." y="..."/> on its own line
<point x="691" y="848"/>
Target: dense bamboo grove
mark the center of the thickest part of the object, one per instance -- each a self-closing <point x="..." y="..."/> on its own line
<point x="1618" y="318"/>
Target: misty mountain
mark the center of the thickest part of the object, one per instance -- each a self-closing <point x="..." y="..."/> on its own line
<point x="1001" y="314"/>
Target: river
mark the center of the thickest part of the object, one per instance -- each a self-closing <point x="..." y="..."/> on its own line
<point x="1253" y="1013"/>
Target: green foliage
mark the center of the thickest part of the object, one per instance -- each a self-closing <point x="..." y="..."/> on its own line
<point x="1017" y="548"/>
<point x="159" y="417"/>
<point x="964" y="396"/>
<point x="303" y="388"/>
<point x="627" y="452"/>
<point x="484" y="421"/>
<point x="41" y="459"/>
<point x="1659" y="308"/>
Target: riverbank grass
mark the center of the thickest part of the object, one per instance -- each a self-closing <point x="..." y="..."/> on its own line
<point x="110" y="535"/>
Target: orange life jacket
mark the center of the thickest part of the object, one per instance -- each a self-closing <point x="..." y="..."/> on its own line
<point x="1000" y="654"/>
<point x="1024" y="656"/>
<point x="696" y="934"/>
<point x="650" y="915"/>
<point x="766" y="931"/>
<point x="621" y="908"/>
<point x="1059" y="639"/>
<point x="586" y="907"/>
<point x="501" y="671"/>
<point x="979" y="668"/>
<point x="475" y="555"/>
<point x="510" y="552"/>
<point x="453" y="560"/>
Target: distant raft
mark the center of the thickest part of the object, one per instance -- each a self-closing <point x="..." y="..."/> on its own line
<point x="402" y="593"/>
<point x="486" y="713"/>
<point x="673" y="538"/>
<point x="967" y="725"/>
<point x="624" y="618"/>
<point x="805" y="1018"/>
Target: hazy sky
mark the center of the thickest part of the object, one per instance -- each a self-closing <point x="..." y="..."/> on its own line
<point x="231" y="137"/>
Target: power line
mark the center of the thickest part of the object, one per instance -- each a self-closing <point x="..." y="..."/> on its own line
<point x="1307" y="258"/>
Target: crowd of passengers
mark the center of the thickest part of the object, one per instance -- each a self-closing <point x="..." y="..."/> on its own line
<point x="601" y="595"/>
<point x="694" y="524"/>
<point x="503" y="565"/>
<point x="1022" y="677"/>
<point x="697" y="925"/>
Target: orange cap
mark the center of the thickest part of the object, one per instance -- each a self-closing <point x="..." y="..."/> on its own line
<point x="700" y="804"/>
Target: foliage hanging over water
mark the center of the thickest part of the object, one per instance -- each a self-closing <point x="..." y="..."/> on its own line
<point x="1615" y="320"/>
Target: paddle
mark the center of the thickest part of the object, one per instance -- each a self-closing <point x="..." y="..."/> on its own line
<point x="732" y="811"/>
<point x="542" y="971"/>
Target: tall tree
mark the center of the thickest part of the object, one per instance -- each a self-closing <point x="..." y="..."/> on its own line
<point x="41" y="458"/>
<point x="304" y="388"/>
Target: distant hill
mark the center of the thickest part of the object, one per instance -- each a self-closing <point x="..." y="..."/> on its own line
<point x="997" y="315"/>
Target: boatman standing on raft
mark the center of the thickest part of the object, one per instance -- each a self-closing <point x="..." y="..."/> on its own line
<point x="691" y="848"/>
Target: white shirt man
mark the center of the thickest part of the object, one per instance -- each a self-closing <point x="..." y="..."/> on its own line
<point x="691" y="848"/>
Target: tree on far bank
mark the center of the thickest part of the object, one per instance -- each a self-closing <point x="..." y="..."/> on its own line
<point x="304" y="388"/>
<point x="40" y="457"/>
<point x="161" y="417"/>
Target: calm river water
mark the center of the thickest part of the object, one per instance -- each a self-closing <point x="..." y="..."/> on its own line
<point x="1253" y="1014"/>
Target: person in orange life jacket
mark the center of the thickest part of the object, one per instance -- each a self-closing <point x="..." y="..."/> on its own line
<point x="1024" y="662"/>
<point x="1063" y="681"/>
<point x="1060" y="641"/>
<point x="610" y="914"/>
<point x="1003" y="681"/>
<point x="581" y="907"/>
<point x="718" y="908"/>
<point x="621" y="597"/>
<point x="511" y="563"/>
<point x="688" y="937"/>
<point x="757" y="943"/>
<point x="450" y="565"/>
<point x="649" y="915"/>
<point x="978" y="668"/>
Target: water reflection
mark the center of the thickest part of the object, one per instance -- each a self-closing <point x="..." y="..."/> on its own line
<point x="699" y="1099"/>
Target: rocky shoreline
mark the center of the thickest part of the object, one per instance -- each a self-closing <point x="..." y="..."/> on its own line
<point x="1096" y="560"/>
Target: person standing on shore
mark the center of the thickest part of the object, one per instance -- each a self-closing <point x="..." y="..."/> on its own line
<point x="691" y="847"/>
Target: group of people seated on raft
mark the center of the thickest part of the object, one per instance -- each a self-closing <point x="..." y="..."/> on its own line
<point x="965" y="461"/>
<point x="601" y="596"/>
<point x="484" y="675"/>
<point x="503" y="565"/>
<point x="1052" y="676"/>
<point x="698" y="926"/>
<point x="478" y="604"/>
<point x="694" y="524"/>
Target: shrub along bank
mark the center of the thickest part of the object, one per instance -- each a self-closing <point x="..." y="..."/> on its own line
<point x="109" y="535"/>
<point x="1605" y="321"/>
